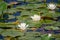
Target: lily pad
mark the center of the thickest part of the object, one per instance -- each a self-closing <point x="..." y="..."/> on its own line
<point x="12" y="33"/>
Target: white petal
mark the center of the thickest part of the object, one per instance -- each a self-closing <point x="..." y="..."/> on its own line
<point x="36" y="18"/>
<point x="27" y="25"/>
<point x="32" y="17"/>
<point x="49" y="35"/>
<point x="51" y="6"/>
<point x="19" y="25"/>
<point x="23" y="24"/>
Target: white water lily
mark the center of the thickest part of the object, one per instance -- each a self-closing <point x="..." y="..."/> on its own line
<point x="36" y="17"/>
<point x="51" y="6"/>
<point x="49" y="35"/>
<point x="23" y="26"/>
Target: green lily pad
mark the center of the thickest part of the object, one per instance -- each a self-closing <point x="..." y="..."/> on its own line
<point x="3" y="6"/>
<point x="12" y="33"/>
